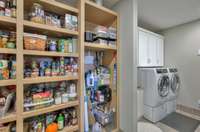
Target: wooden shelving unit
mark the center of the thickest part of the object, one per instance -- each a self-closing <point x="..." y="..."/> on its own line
<point x="49" y="109"/>
<point x="8" y="82"/>
<point x="87" y="12"/>
<point x="95" y="46"/>
<point x="10" y="117"/>
<point x="96" y="15"/>
<point x="48" y="30"/>
<point x="49" y="53"/>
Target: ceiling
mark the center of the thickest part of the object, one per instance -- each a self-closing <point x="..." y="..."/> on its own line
<point x="110" y="3"/>
<point x="158" y="15"/>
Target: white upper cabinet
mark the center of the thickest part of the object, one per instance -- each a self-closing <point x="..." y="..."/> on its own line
<point x="150" y="49"/>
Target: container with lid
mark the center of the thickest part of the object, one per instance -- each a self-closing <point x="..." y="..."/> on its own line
<point x="37" y="13"/>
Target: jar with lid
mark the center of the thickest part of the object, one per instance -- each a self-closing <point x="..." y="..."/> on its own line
<point x="12" y="40"/>
<point x="58" y="99"/>
<point x="2" y="7"/>
<point x="4" y="40"/>
<point x="52" y="45"/>
<point x="37" y="13"/>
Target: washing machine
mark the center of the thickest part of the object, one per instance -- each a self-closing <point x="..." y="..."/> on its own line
<point x="156" y="83"/>
<point x="173" y="90"/>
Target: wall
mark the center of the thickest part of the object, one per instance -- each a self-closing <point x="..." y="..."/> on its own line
<point x="127" y="10"/>
<point x="181" y="47"/>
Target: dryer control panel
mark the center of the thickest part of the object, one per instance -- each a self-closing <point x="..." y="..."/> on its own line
<point x="160" y="71"/>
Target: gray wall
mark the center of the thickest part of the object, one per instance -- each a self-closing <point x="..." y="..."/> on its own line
<point x="181" y="47"/>
<point x="127" y="10"/>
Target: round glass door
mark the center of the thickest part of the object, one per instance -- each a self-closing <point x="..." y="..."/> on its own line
<point x="175" y="83"/>
<point x="163" y="86"/>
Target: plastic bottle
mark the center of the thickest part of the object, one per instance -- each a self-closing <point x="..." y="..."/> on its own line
<point x="60" y="121"/>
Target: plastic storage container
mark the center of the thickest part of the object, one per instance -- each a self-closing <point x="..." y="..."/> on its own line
<point x="34" y="41"/>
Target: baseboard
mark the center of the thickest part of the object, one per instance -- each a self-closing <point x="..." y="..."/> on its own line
<point x="188" y="111"/>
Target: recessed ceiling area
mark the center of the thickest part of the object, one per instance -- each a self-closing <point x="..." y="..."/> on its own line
<point x="110" y="3"/>
<point x="157" y="15"/>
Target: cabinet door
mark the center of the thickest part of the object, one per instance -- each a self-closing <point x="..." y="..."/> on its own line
<point x="152" y="50"/>
<point x="143" y="49"/>
<point x="160" y="52"/>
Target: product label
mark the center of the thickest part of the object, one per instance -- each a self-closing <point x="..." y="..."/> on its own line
<point x="60" y="125"/>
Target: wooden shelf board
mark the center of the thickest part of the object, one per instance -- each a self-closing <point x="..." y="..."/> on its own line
<point x="70" y="129"/>
<point x="8" y="51"/>
<point x="98" y="14"/>
<point x="8" y="118"/>
<point x="8" y="82"/>
<point x="7" y="22"/>
<point x="48" y="79"/>
<point x="49" y="53"/>
<point x="49" y="109"/>
<point x="95" y="46"/>
<point x="47" y="30"/>
<point x="52" y="6"/>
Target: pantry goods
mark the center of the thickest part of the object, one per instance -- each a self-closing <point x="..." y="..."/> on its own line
<point x="50" y="67"/>
<point x="7" y="39"/>
<point x="47" y="94"/>
<point x="43" y="43"/>
<point x="38" y="15"/>
<point x="8" y="8"/>
<point x="52" y="122"/>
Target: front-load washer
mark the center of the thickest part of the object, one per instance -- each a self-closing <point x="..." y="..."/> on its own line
<point x="155" y="82"/>
<point x="173" y="90"/>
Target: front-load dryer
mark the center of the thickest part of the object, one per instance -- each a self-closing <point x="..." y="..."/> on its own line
<point x="174" y="83"/>
<point x="173" y="90"/>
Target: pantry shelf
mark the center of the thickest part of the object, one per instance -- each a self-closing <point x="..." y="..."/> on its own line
<point x="8" y="118"/>
<point x="49" y="79"/>
<point x="49" y="53"/>
<point x="98" y="14"/>
<point x="54" y="6"/>
<point x="50" y="109"/>
<point x="70" y="129"/>
<point x="8" y="82"/>
<point x="7" y="21"/>
<point x="96" y="46"/>
<point x="48" y="30"/>
<point x="8" y="51"/>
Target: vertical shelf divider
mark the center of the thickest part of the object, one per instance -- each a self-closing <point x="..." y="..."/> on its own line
<point x="81" y="19"/>
<point x="20" y="64"/>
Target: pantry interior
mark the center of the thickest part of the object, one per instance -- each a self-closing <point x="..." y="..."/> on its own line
<point x="59" y="66"/>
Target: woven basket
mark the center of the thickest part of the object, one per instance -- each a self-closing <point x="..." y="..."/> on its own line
<point x="34" y="42"/>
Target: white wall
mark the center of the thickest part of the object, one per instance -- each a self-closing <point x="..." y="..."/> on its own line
<point x="181" y="46"/>
<point x="127" y="10"/>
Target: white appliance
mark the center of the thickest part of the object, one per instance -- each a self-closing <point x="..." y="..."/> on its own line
<point x="155" y="82"/>
<point x="173" y="90"/>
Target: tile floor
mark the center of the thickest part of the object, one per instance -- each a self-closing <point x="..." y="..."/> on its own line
<point x="166" y="128"/>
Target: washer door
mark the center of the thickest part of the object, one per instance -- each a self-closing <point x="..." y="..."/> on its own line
<point x="175" y="83"/>
<point x="163" y="86"/>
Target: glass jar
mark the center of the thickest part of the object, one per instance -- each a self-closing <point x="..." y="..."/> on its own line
<point x="37" y="13"/>
<point x="12" y="41"/>
<point x="52" y="45"/>
<point x="58" y="98"/>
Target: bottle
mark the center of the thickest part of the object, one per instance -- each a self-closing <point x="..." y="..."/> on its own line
<point x="60" y="121"/>
<point x="8" y="8"/>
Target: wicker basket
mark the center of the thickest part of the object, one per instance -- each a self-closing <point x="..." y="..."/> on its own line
<point x="34" y="42"/>
<point x="5" y="128"/>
